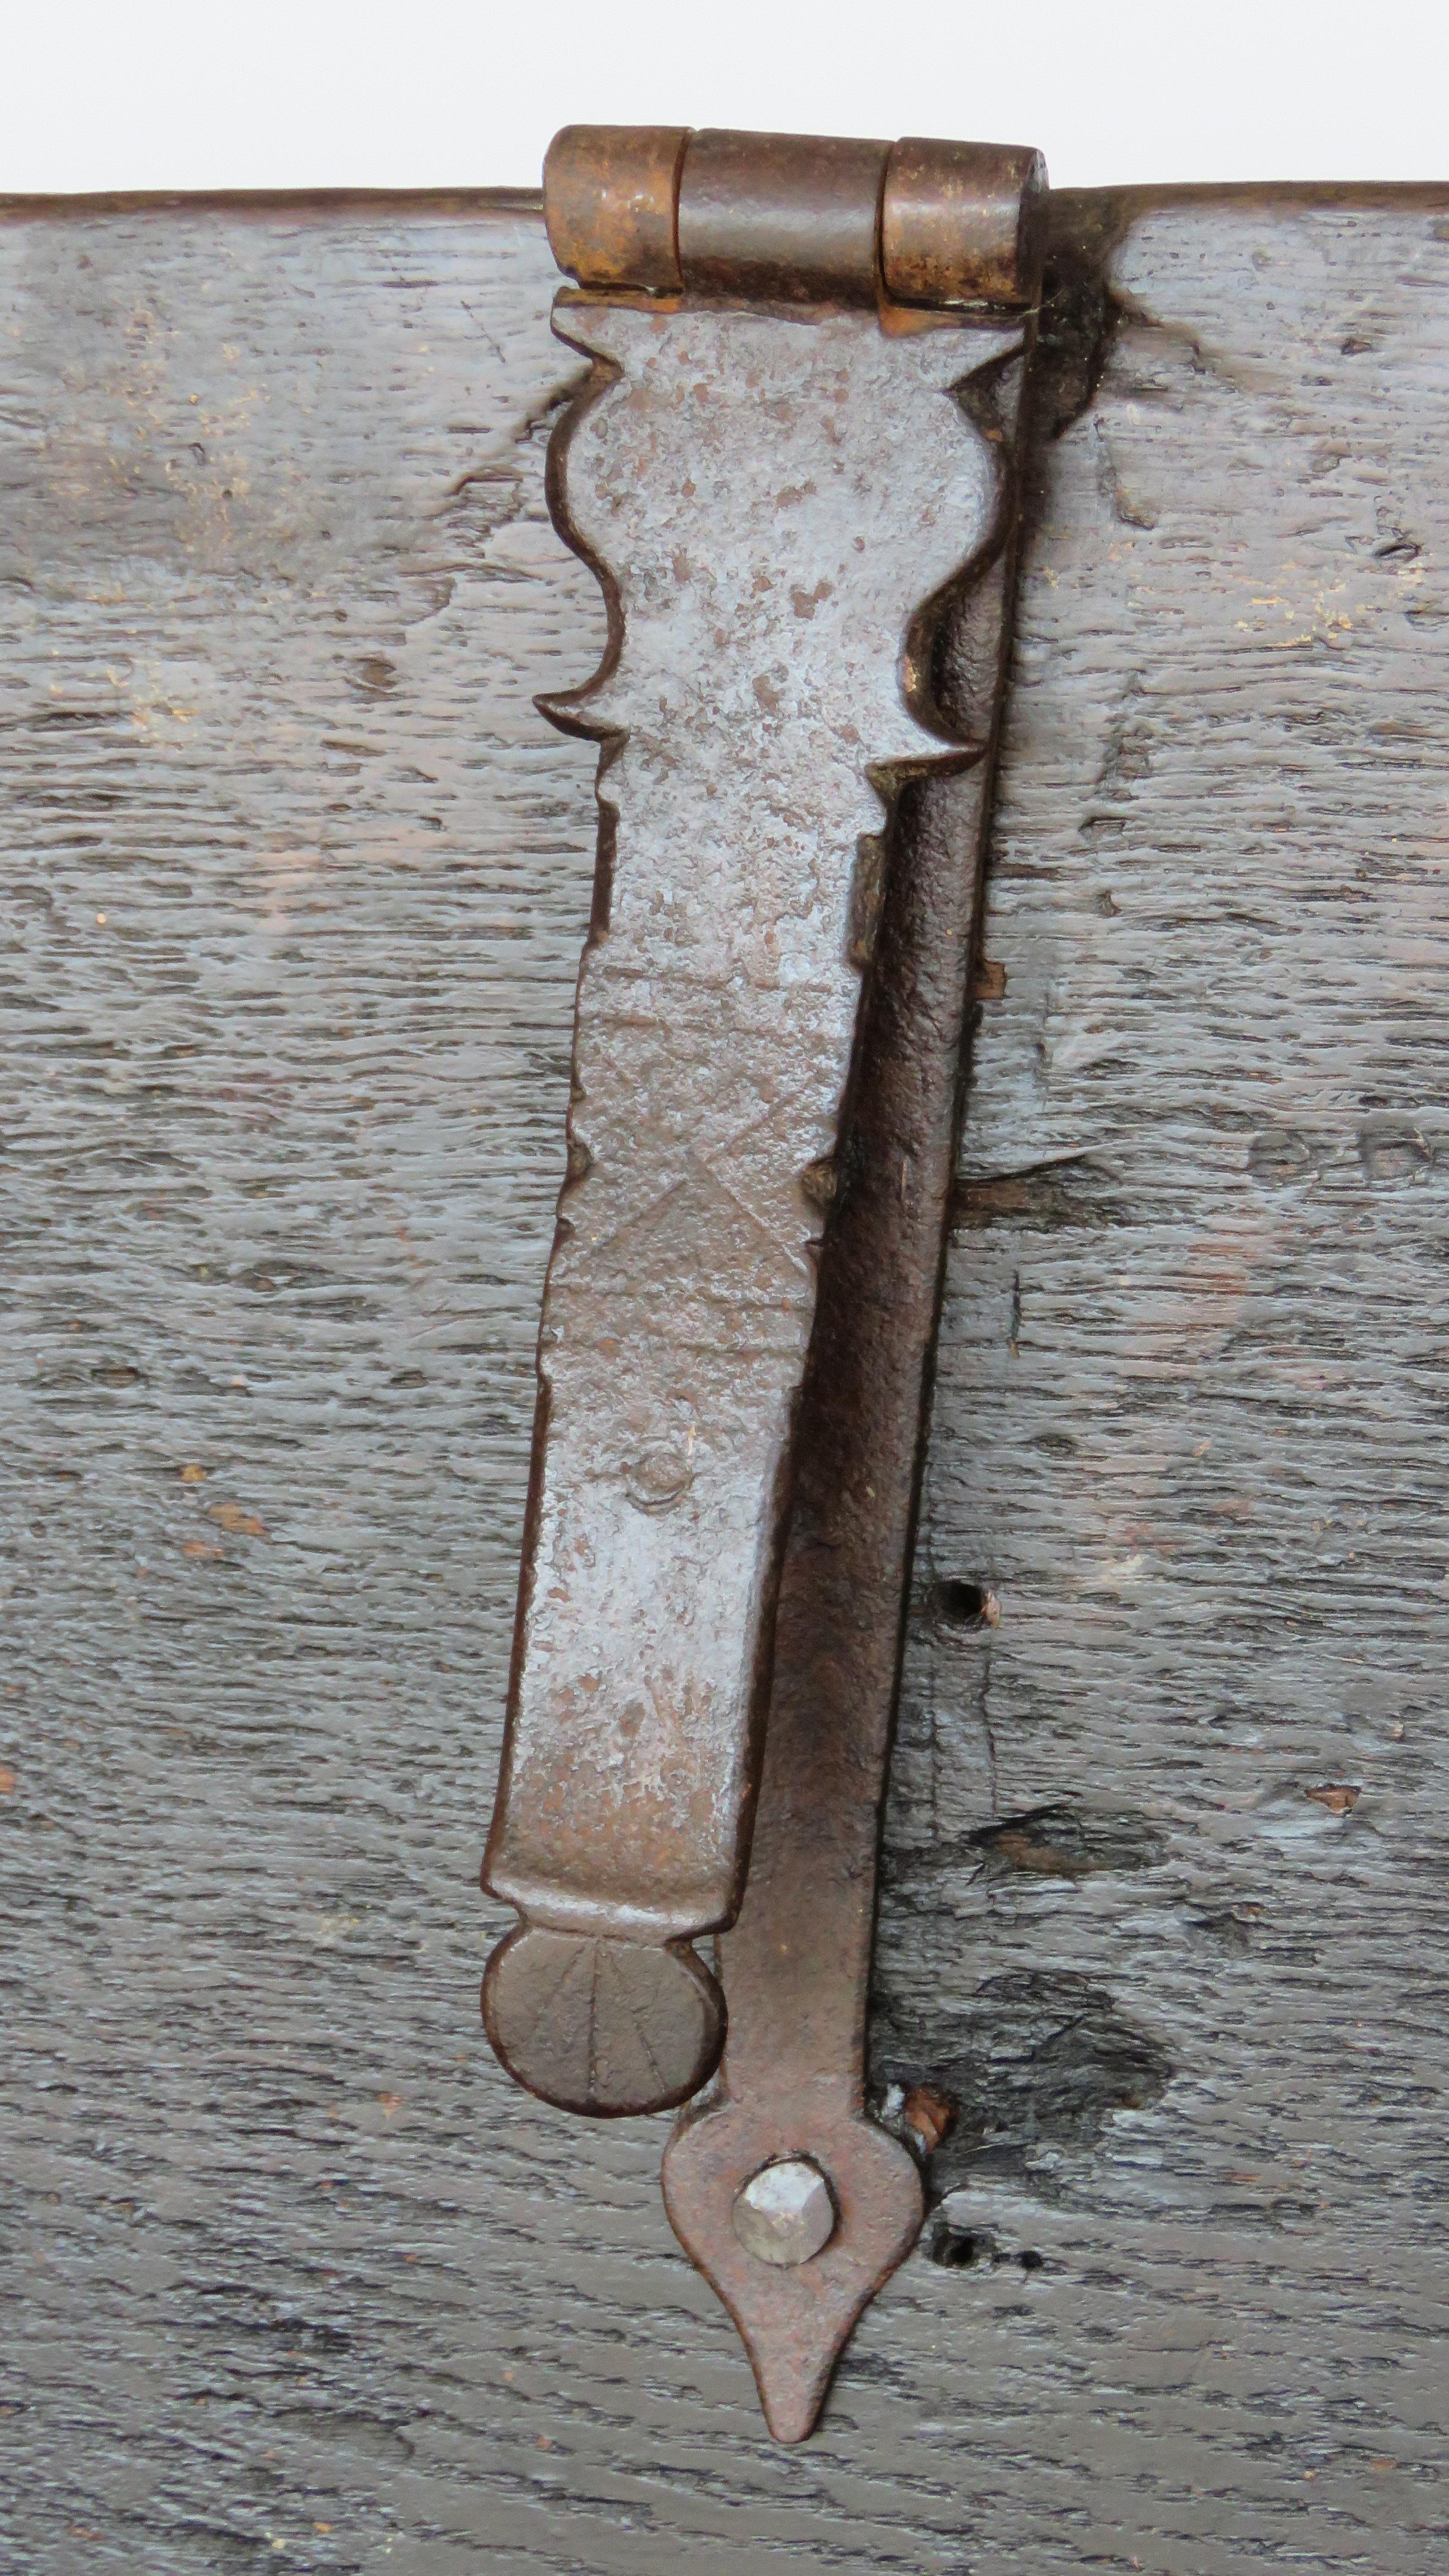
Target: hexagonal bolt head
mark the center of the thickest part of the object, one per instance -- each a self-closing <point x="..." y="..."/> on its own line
<point x="785" y="2213"/>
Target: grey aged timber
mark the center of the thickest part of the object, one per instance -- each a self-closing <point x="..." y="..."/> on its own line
<point x="1165" y="1892"/>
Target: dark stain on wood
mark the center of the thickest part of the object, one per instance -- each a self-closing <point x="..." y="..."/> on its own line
<point x="1033" y="2061"/>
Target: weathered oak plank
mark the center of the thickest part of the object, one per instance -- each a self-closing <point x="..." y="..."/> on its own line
<point x="282" y="1136"/>
<point x="1190" y="1424"/>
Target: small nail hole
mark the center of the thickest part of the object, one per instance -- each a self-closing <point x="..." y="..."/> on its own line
<point x="1030" y="2260"/>
<point x="955" y="1603"/>
<point x="957" y="2248"/>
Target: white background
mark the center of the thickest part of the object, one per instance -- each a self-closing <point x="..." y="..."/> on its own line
<point x="430" y="93"/>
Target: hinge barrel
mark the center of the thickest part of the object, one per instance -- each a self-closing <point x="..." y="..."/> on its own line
<point x="793" y="218"/>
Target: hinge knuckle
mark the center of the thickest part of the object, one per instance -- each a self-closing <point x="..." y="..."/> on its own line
<point x="611" y="205"/>
<point x="784" y="217"/>
<point x="959" y="222"/>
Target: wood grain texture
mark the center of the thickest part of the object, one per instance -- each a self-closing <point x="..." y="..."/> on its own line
<point x="305" y="2281"/>
<point x="1181" y="1813"/>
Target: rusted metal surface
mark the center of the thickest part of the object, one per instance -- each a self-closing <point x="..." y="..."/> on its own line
<point x="623" y="2023"/>
<point x="772" y="500"/>
<point x="803" y="524"/>
<point x="793" y="218"/>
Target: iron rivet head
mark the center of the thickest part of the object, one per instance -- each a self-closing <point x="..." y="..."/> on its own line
<point x="784" y="2214"/>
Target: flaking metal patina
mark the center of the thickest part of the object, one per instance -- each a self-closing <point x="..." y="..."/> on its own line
<point x="797" y="491"/>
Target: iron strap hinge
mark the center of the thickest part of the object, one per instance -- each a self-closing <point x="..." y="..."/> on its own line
<point x="794" y="473"/>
